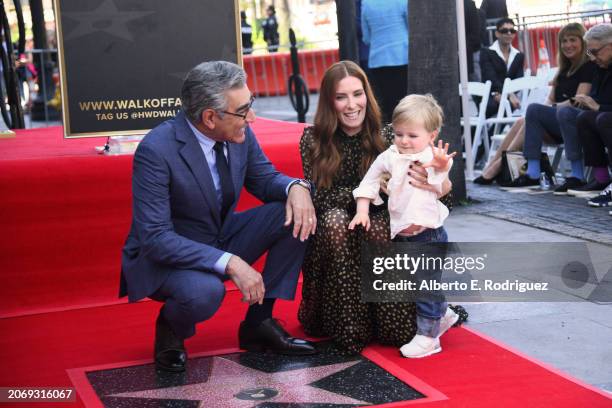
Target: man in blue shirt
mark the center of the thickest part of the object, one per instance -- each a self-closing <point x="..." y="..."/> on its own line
<point x="384" y="25"/>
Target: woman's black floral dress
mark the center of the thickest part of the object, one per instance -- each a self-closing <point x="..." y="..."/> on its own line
<point x="331" y="298"/>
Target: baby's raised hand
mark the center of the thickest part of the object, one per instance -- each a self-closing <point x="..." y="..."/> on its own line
<point x="360" y="219"/>
<point x="441" y="158"/>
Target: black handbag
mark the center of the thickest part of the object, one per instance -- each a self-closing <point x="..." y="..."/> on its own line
<point x="515" y="165"/>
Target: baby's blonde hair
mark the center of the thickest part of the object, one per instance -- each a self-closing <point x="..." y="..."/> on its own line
<point x="421" y="108"/>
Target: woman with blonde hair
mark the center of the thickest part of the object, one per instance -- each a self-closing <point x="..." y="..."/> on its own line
<point x="574" y="76"/>
<point x="336" y="153"/>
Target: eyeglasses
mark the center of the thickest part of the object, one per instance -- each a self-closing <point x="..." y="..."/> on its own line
<point x="245" y="109"/>
<point x="592" y="52"/>
<point x="506" y="31"/>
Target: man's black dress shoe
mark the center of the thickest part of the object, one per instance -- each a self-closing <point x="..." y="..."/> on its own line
<point x="170" y="354"/>
<point x="270" y="336"/>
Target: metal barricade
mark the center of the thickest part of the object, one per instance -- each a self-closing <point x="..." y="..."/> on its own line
<point x="268" y="72"/>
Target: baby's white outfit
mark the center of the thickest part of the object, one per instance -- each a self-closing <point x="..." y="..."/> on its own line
<point x="407" y="204"/>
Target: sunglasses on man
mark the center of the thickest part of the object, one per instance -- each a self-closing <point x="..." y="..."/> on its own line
<point x="506" y="31"/>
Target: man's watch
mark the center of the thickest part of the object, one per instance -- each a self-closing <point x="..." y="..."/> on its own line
<point x="303" y="183"/>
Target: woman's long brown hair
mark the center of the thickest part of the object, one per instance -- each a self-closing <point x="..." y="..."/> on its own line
<point x="325" y="154"/>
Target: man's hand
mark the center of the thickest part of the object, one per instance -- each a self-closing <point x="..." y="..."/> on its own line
<point x="248" y="280"/>
<point x="441" y="158"/>
<point x="360" y="219"/>
<point x="300" y="210"/>
<point x="585" y="102"/>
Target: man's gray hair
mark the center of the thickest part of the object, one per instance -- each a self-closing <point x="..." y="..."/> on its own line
<point x="205" y="87"/>
<point x="600" y="32"/>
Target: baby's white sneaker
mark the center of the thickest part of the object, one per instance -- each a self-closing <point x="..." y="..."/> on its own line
<point x="421" y="346"/>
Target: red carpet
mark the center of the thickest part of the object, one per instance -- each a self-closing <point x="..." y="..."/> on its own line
<point x="37" y="350"/>
<point x="65" y="212"/>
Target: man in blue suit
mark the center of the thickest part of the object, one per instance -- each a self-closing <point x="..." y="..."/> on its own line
<point x="186" y="240"/>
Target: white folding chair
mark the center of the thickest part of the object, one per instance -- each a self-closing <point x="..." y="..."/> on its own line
<point x="529" y="89"/>
<point x="478" y="118"/>
<point x="523" y="87"/>
<point x="551" y="74"/>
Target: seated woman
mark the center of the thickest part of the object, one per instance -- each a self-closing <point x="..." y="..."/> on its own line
<point x="336" y="152"/>
<point x="574" y="76"/>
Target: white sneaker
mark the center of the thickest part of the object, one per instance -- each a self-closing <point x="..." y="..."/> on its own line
<point x="421" y="346"/>
<point x="447" y="321"/>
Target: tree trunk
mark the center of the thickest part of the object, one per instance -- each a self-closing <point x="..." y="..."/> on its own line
<point x="347" y="31"/>
<point x="283" y="15"/>
<point x="44" y="66"/>
<point x="433" y="67"/>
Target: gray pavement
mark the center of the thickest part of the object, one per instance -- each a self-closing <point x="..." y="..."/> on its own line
<point x="563" y="215"/>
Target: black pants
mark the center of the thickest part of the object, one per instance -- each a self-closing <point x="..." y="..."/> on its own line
<point x="390" y="86"/>
<point x="595" y="132"/>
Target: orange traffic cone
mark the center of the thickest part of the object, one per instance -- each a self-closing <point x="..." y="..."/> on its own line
<point x="543" y="58"/>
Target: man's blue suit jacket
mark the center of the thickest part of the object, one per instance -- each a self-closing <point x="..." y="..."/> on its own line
<point x="176" y="222"/>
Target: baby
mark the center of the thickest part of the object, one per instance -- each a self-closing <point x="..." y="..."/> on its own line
<point x="416" y="214"/>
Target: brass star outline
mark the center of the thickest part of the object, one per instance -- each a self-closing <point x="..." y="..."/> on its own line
<point x="227" y="378"/>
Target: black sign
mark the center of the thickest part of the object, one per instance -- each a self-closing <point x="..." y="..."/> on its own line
<point x="122" y="62"/>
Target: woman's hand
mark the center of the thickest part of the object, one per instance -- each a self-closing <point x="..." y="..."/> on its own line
<point x="418" y="178"/>
<point x="585" y="102"/>
<point x="514" y="101"/>
<point x="384" y="182"/>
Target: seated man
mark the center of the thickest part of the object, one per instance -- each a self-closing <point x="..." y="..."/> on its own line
<point x="595" y="128"/>
<point x="500" y="61"/>
<point x="186" y="240"/>
<point x="592" y="118"/>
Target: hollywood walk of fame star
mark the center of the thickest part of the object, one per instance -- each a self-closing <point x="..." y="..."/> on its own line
<point x="229" y="380"/>
<point x="106" y="18"/>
